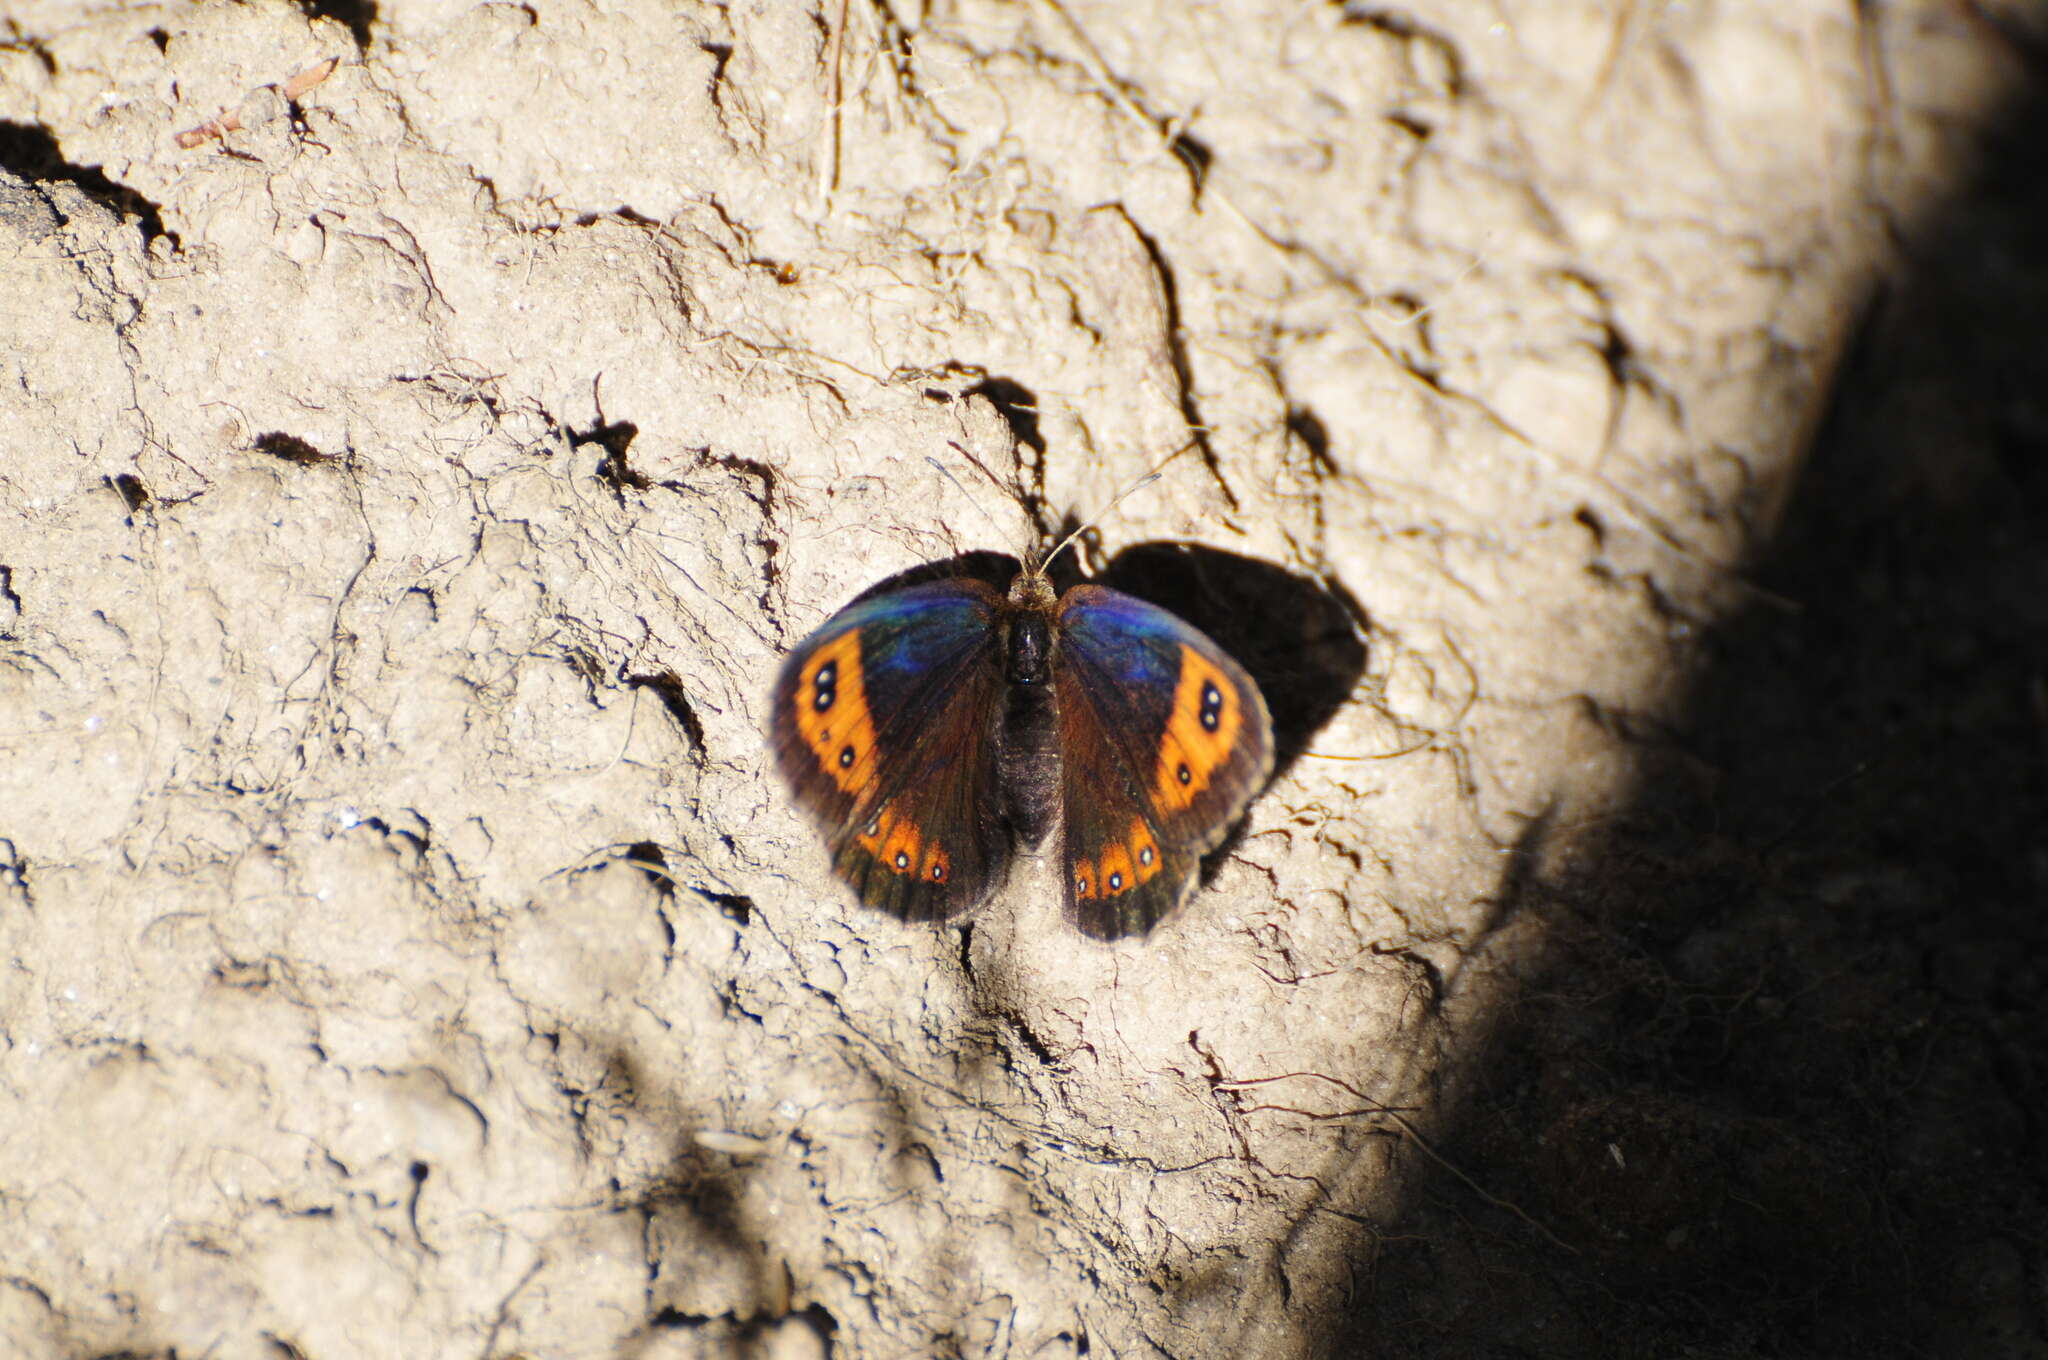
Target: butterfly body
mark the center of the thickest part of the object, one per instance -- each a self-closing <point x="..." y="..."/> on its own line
<point x="935" y="729"/>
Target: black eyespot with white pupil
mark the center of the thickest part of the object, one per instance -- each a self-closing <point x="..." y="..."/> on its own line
<point x="938" y="873"/>
<point x="1184" y="774"/>
<point x="1212" y="706"/>
<point x="846" y="757"/>
<point x="825" y="687"/>
<point x="902" y="860"/>
<point x="1145" y="855"/>
<point x="1116" y="882"/>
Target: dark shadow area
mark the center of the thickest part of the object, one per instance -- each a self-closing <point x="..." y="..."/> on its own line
<point x="615" y="468"/>
<point x="357" y="16"/>
<point x="728" y="1333"/>
<point x="624" y="212"/>
<point x="667" y="686"/>
<point x="30" y="151"/>
<point x="1780" y="1085"/>
<point x="1196" y="156"/>
<point x="693" y="1216"/>
<point x="1018" y="406"/>
<point x="289" y="448"/>
<point x="648" y="858"/>
<point x="1302" y="639"/>
<point x="133" y="491"/>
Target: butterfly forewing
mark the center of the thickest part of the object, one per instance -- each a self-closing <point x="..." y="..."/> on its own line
<point x="885" y="730"/>
<point x="1163" y="740"/>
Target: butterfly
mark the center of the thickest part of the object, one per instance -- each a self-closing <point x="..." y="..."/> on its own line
<point x="934" y="729"/>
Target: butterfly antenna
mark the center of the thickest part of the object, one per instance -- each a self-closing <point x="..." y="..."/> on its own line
<point x="947" y="473"/>
<point x="1158" y="471"/>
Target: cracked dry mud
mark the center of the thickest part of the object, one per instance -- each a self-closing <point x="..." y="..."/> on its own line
<point x="412" y="477"/>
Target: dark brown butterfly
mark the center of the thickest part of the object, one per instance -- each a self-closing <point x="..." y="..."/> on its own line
<point x="933" y="729"/>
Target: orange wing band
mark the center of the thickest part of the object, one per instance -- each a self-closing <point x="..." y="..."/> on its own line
<point x="1122" y="866"/>
<point x="1201" y="731"/>
<point x="898" y="846"/>
<point x="832" y="714"/>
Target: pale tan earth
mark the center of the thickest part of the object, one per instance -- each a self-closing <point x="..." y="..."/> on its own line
<point x="407" y="493"/>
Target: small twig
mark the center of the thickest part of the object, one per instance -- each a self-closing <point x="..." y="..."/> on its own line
<point x="217" y="128"/>
<point x="835" y="54"/>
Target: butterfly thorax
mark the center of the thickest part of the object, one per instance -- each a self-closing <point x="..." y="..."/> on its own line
<point x="1032" y="590"/>
<point x="1029" y="611"/>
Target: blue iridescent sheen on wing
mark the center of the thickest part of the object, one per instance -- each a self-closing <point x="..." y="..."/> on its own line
<point x="1125" y="642"/>
<point x="913" y="635"/>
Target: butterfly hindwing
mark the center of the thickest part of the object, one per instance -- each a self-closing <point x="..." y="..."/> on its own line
<point x="885" y="727"/>
<point x="1163" y="740"/>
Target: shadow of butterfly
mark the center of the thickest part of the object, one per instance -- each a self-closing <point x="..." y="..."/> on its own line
<point x="932" y="729"/>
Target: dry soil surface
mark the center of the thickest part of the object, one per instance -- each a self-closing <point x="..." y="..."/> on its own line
<point x="425" y="426"/>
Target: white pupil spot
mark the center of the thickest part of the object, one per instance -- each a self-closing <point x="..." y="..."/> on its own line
<point x="902" y="860"/>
